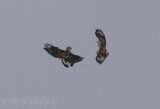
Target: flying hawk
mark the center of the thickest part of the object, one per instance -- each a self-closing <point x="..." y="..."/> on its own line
<point x="102" y="53"/>
<point x="66" y="56"/>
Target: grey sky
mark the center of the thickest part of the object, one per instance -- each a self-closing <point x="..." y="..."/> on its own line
<point x="128" y="79"/>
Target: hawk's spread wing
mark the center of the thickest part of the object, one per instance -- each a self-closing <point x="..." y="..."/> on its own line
<point x="54" y="51"/>
<point x="66" y="56"/>
<point x="102" y="53"/>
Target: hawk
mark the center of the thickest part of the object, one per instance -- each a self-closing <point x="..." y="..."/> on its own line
<point x="102" y="53"/>
<point x="66" y="56"/>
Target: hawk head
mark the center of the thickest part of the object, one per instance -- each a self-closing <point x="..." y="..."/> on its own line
<point x="68" y="49"/>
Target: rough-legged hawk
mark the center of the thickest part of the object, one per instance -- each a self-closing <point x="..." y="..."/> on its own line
<point x="66" y="56"/>
<point x="102" y="53"/>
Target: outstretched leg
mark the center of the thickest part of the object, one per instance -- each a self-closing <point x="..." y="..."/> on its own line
<point x="66" y="64"/>
<point x="71" y="64"/>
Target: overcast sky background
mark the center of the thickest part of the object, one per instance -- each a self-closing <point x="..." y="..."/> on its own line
<point x="128" y="79"/>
